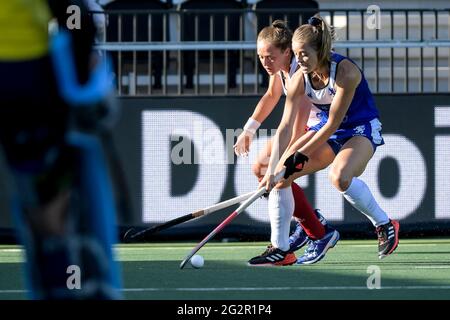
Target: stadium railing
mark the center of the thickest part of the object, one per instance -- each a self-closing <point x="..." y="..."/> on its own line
<point x="400" y="50"/>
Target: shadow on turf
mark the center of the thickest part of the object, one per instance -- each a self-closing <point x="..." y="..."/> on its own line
<point x="234" y="280"/>
<point x="231" y="280"/>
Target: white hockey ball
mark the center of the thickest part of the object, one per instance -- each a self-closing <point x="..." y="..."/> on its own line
<point x="197" y="261"/>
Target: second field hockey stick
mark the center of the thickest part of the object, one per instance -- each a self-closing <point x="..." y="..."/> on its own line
<point x="129" y="236"/>
<point x="225" y="222"/>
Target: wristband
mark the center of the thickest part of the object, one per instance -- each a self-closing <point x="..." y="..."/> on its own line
<point x="252" y="125"/>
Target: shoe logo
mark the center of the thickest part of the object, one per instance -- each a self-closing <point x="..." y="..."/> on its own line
<point x="391" y="232"/>
<point x="275" y="257"/>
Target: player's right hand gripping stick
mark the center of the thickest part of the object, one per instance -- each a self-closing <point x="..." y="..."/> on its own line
<point x="294" y="163"/>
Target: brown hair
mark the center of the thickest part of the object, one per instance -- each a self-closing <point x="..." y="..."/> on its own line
<point x="277" y="34"/>
<point x="319" y="35"/>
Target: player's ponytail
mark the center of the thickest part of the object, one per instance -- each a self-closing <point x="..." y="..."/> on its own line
<point x="277" y="34"/>
<point x="319" y="35"/>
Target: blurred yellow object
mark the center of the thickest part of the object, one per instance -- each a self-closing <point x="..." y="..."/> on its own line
<point x="23" y="29"/>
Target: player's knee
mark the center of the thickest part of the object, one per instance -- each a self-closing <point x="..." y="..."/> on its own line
<point x="340" y="178"/>
<point x="285" y="183"/>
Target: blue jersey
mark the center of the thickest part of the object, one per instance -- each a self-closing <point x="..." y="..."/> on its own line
<point x="362" y="108"/>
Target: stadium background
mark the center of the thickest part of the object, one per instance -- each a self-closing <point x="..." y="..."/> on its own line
<point x="409" y="176"/>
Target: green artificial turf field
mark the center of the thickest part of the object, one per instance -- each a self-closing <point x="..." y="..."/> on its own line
<point x="419" y="269"/>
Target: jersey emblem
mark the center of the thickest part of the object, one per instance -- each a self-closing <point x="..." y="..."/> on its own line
<point x="359" y="130"/>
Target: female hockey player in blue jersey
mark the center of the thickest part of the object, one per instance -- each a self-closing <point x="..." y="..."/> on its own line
<point x="350" y="128"/>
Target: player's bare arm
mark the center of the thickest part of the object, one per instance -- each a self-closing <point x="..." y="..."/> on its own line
<point x="269" y="100"/>
<point x="262" y="110"/>
<point x="283" y="136"/>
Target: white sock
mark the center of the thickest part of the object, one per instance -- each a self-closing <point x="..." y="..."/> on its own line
<point x="281" y="209"/>
<point x="360" y="197"/>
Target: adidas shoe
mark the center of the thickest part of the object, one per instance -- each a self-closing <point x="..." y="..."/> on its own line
<point x="387" y="238"/>
<point x="273" y="256"/>
<point x="317" y="249"/>
<point x="299" y="237"/>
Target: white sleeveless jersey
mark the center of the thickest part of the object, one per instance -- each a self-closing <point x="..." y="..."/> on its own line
<point x="324" y="96"/>
<point x="314" y="116"/>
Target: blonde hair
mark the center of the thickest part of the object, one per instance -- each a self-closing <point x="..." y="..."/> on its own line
<point x="277" y="34"/>
<point x="319" y="35"/>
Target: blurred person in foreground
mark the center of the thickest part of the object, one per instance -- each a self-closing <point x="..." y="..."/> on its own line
<point x="54" y="105"/>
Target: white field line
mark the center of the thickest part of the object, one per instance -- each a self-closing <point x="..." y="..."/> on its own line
<point x="433" y="267"/>
<point x="247" y="247"/>
<point x="290" y="288"/>
<point x="267" y="289"/>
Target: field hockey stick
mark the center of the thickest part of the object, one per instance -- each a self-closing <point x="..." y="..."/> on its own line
<point x="225" y="222"/>
<point x="129" y="236"/>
